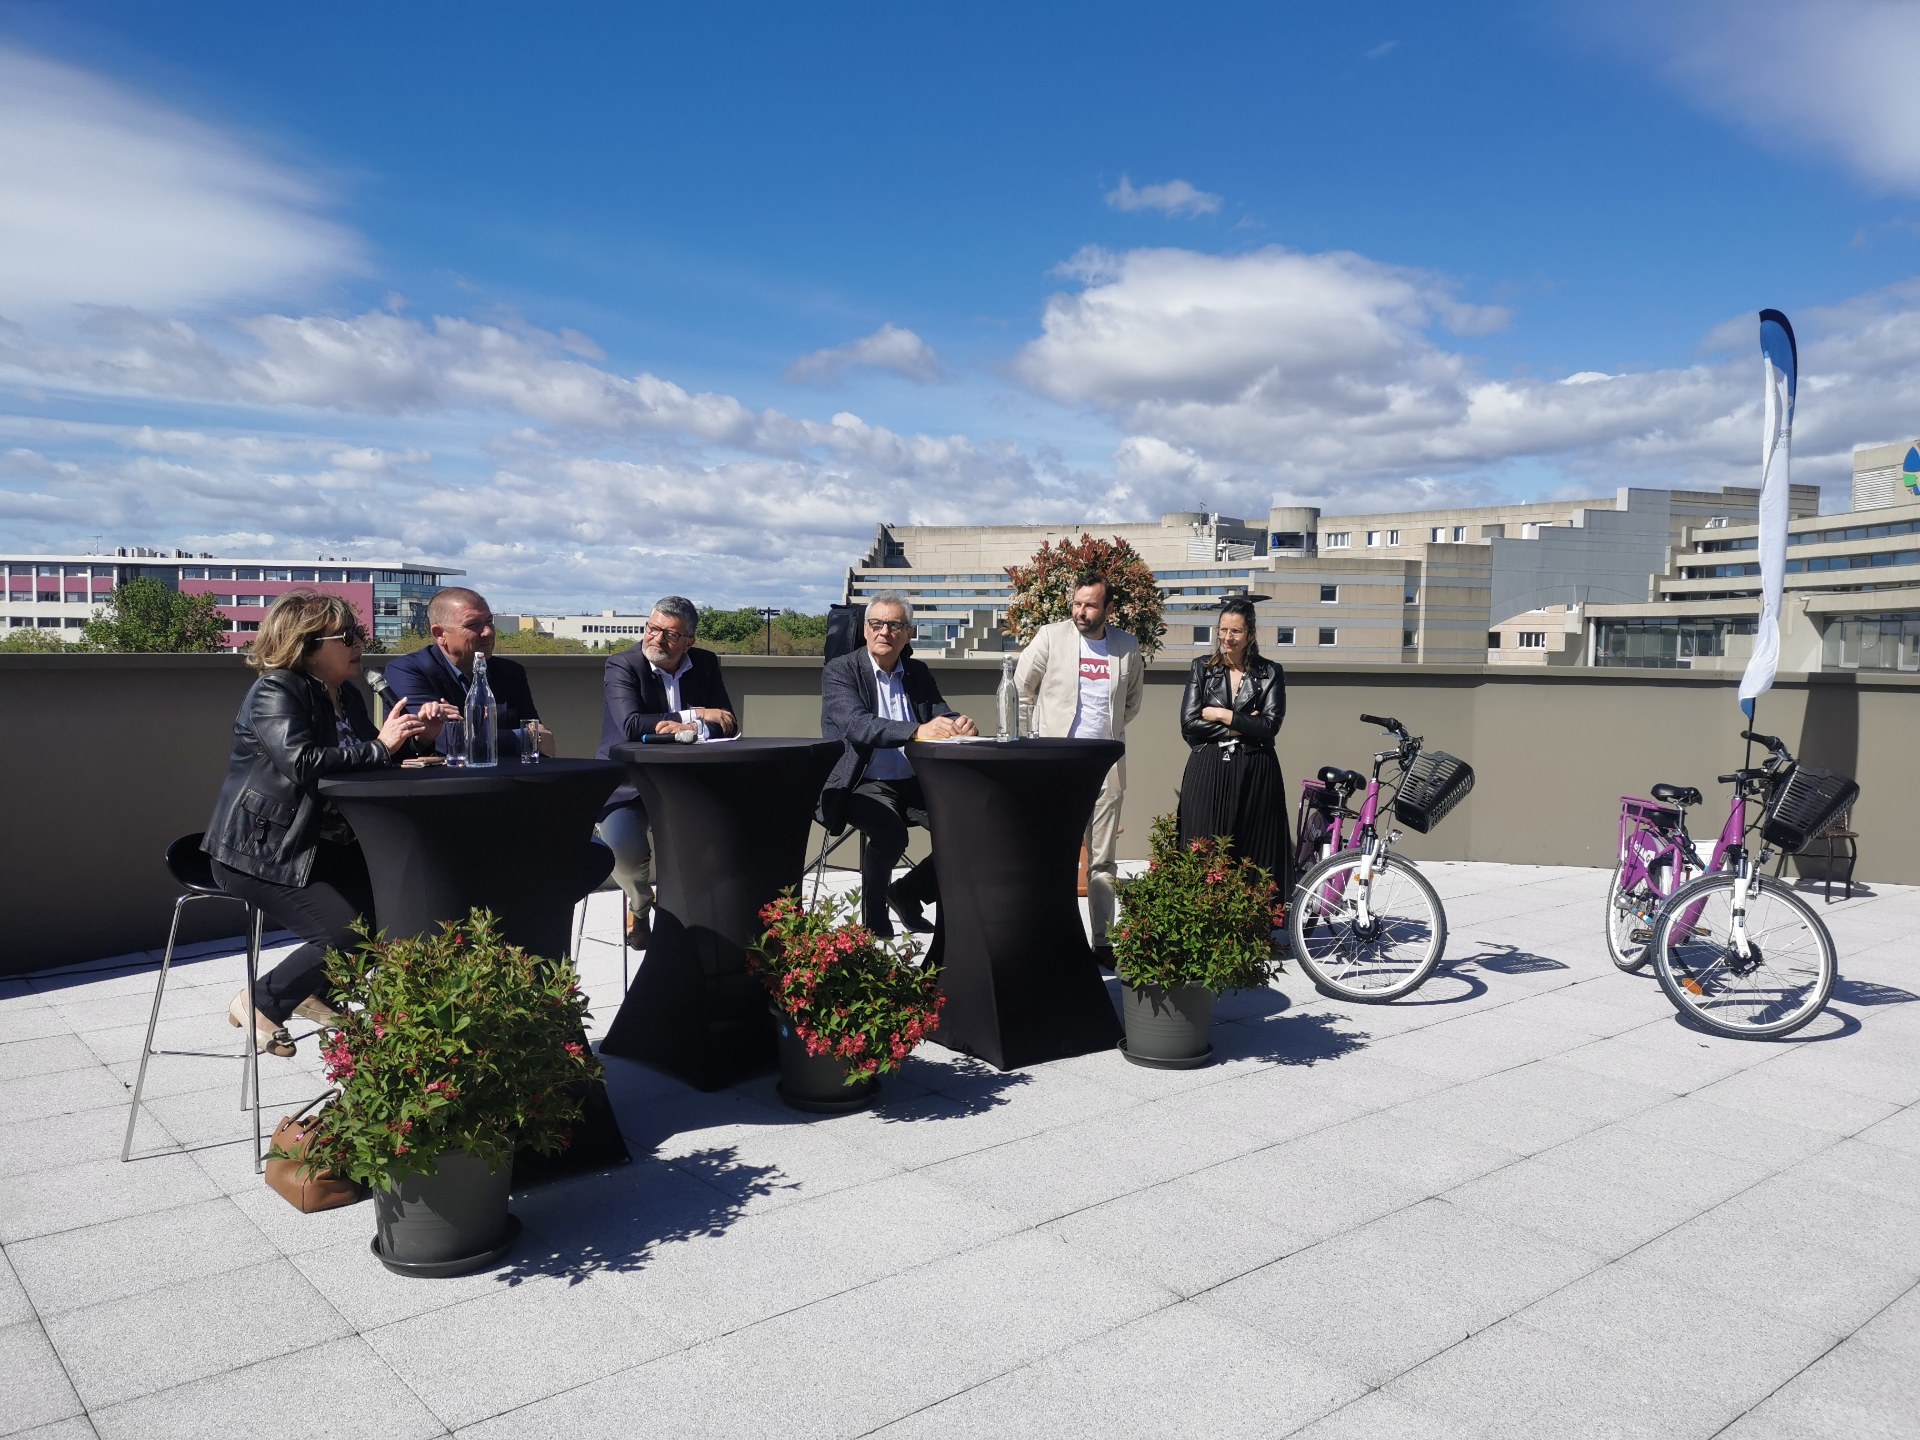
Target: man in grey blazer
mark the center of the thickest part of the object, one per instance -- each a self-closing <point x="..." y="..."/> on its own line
<point x="1080" y="677"/>
<point x="874" y="700"/>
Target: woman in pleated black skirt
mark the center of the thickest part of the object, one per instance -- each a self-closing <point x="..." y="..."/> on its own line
<point x="1231" y="712"/>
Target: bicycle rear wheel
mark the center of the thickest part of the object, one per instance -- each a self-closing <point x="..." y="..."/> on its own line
<point x="1630" y="915"/>
<point x="1390" y="955"/>
<point x="1784" y="981"/>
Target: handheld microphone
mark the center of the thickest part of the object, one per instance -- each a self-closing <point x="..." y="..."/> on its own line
<point x="378" y="680"/>
<point x="678" y="737"/>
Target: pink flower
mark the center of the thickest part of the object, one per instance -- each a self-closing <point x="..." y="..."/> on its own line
<point x="574" y="1047"/>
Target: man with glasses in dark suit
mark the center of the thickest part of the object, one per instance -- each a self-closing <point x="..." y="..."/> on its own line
<point x="874" y="700"/>
<point x="662" y="686"/>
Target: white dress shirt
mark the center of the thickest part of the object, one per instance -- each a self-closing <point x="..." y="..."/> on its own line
<point x="890" y="703"/>
<point x="670" y="681"/>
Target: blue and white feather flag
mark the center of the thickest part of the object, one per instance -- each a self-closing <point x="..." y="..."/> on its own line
<point x="1780" y="366"/>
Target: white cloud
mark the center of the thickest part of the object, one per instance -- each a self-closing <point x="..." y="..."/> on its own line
<point x="1328" y="377"/>
<point x="1174" y="198"/>
<point x="888" y="348"/>
<point x="1837" y="75"/>
<point x="108" y="199"/>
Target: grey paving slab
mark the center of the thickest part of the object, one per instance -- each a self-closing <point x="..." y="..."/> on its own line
<point x="1178" y="1371"/>
<point x="1555" y="1085"/>
<point x="37" y="1389"/>
<point x="352" y="1393"/>
<point x="1896" y="1329"/>
<point x="76" y="1268"/>
<point x="86" y="1015"/>
<point x="1665" y="1055"/>
<point x="30" y="1021"/>
<point x="1179" y="1236"/>
<point x="1270" y="1103"/>
<point x="44" y="1202"/>
<point x="208" y="1325"/>
<point x="472" y="1360"/>
<point x="1027" y="1296"/>
<point x="1379" y="1300"/>
<point x="977" y="1116"/>
<point x="195" y="1117"/>
<point x="1856" y="1390"/>
<point x="1836" y="1067"/>
<point x="1491" y="1115"/>
<point x="47" y="1055"/>
<point x="1692" y="1175"/>
<point x="14" y="1305"/>
<point x="1764" y="1091"/>
<point x="291" y="1232"/>
<point x="1589" y="1209"/>
<point x="1694" y="1123"/>
<point x="67" y="1092"/>
<point x="1477" y="1045"/>
<point x="56" y="1141"/>
<point x="1374" y="1416"/>
<point x="78" y="1428"/>
<point x="1083" y="1164"/>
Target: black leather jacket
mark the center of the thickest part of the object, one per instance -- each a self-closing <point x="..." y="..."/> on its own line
<point x="286" y="737"/>
<point x="1262" y="705"/>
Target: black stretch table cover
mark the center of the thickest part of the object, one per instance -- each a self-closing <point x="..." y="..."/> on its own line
<point x="729" y="822"/>
<point x="514" y="838"/>
<point x="1019" y="977"/>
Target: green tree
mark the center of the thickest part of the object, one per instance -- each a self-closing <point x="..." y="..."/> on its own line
<point x="731" y="631"/>
<point x="1043" y="589"/>
<point x="538" y="642"/>
<point x="145" y="617"/>
<point x="32" y="641"/>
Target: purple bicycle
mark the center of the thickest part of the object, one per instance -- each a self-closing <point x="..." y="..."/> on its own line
<point x="1365" y="923"/>
<point x="1736" y="952"/>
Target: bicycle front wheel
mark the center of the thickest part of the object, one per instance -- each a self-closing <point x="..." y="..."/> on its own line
<point x="1381" y="958"/>
<point x="1630" y="915"/>
<point x="1780" y="984"/>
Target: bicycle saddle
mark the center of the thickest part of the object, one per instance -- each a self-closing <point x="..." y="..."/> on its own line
<point x="1682" y="795"/>
<point x="1334" y="778"/>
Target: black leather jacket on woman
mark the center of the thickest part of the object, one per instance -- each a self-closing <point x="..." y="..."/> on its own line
<point x="287" y="737"/>
<point x="1262" y="704"/>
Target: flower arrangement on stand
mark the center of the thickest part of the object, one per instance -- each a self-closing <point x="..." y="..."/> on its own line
<point x="1198" y="923"/>
<point x="453" y="1051"/>
<point x="850" y="1006"/>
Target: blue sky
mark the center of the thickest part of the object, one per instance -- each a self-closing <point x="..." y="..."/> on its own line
<point x="599" y="301"/>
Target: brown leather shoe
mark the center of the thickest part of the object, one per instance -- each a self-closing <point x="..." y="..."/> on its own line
<point x="639" y="930"/>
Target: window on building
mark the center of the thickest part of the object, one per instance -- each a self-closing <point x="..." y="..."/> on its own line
<point x="49" y="622"/>
<point x="1329" y="636"/>
<point x="193" y="572"/>
<point x="304" y="577"/>
<point x="1329" y="594"/>
<point x="1533" y="639"/>
<point x="1493" y="532"/>
<point x="358" y="577"/>
<point x="1393" y="537"/>
<point x="276" y="574"/>
<point x="49" y="596"/>
<point x="1493" y="639"/>
<point x="1459" y="533"/>
<point x="1202" y="634"/>
<point x="73" y="624"/>
<point x="1437" y="534"/>
<point x="247" y="627"/>
<point x="1412" y="595"/>
<point x="247" y="572"/>
<point x="219" y="572"/>
<point x="1284" y="635"/>
<point x="1373" y="537"/>
<point x="1336" y="540"/>
<point x="1409" y="638"/>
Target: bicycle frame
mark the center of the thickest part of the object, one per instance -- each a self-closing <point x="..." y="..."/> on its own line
<point x="1645" y="848"/>
<point x="1350" y="830"/>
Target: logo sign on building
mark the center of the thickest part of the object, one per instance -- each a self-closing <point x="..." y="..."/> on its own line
<point x="1910" y="469"/>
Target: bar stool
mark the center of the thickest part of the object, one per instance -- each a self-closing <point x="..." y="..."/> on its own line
<point x="580" y="926"/>
<point x="193" y="869"/>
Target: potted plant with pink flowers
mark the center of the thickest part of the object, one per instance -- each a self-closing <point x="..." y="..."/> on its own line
<point x="1198" y="923"/>
<point x="850" y="1006"/>
<point x="453" y="1051"/>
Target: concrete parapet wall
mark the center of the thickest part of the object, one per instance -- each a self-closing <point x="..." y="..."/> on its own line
<point x="108" y="758"/>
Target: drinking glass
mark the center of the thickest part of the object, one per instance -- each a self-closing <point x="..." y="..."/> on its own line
<point x="455" y="734"/>
<point x="528" y="738"/>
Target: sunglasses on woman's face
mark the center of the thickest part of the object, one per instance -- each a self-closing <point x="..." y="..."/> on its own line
<point x="352" y="635"/>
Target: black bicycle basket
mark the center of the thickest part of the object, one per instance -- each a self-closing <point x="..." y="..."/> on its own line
<point x="1433" y="785"/>
<point x="1804" y="806"/>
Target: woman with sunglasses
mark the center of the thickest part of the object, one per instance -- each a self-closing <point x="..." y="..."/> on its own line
<point x="273" y="839"/>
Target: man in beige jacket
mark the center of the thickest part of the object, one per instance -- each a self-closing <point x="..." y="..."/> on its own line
<point x="1081" y="678"/>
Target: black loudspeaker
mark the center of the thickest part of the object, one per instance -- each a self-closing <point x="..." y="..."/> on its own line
<point x="846" y="629"/>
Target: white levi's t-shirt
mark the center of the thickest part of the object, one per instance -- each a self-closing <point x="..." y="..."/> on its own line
<point x="1093" y="716"/>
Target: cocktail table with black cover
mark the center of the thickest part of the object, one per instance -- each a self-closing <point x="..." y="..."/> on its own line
<point x="514" y="838"/>
<point x="729" y="825"/>
<point x="1007" y="820"/>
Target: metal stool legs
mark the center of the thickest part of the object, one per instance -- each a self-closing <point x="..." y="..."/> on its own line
<point x="250" y="1071"/>
<point x="580" y="932"/>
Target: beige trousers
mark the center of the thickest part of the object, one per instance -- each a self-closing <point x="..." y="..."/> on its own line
<point x="1103" y="843"/>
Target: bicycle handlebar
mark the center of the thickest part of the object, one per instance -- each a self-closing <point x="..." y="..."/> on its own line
<point x="1385" y="722"/>
<point x="1772" y="742"/>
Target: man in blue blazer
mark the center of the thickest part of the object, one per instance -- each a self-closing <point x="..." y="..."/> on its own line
<point x="874" y="701"/>
<point x="461" y="623"/>
<point x="662" y="686"/>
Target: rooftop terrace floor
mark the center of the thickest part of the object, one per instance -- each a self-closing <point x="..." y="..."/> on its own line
<point x="1525" y="1202"/>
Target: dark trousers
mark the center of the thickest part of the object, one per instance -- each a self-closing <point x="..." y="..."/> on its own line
<point x="882" y="810"/>
<point x="321" y="912"/>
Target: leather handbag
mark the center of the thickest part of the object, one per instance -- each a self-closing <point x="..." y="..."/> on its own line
<point x="308" y="1190"/>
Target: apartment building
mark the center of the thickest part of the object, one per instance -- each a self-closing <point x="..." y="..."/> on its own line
<point x="62" y="592"/>
<point x="1851" y="596"/>
<point x="1501" y="583"/>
